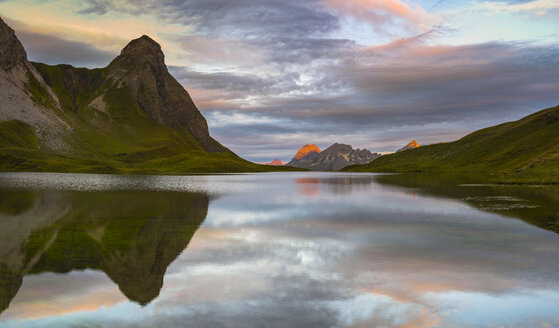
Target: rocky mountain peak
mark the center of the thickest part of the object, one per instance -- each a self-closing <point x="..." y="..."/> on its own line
<point x="339" y="148"/>
<point x="275" y="162"/>
<point x="306" y="150"/>
<point x="139" y="51"/>
<point x="12" y="53"/>
<point x="413" y="144"/>
<point x="141" y="68"/>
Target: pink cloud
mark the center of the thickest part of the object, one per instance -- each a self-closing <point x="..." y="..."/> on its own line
<point x="382" y="12"/>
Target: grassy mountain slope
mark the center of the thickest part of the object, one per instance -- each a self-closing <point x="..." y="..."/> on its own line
<point x="522" y="151"/>
<point x="109" y="132"/>
<point x="129" y="117"/>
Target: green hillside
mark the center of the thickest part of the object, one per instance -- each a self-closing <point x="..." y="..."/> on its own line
<point x="524" y="151"/>
<point x="131" y="116"/>
<point x="117" y="138"/>
<point x="166" y="152"/>
<point x="152" y="149"/>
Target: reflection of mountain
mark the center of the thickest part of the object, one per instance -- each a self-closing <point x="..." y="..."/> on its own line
<point x="132" y="236"/>
<point x="310" y="186"/>
<point x="538" y="206"/>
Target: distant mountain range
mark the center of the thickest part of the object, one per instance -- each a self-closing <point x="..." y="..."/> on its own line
<point x="129" y="117"/>
<point x="526" y="150"/>
<point x="332" y="158"/>
<point x="275" y="162"/>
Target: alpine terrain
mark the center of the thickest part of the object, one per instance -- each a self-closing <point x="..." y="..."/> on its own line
<point x="129" y="117"/>
<point x="524" y="151"/>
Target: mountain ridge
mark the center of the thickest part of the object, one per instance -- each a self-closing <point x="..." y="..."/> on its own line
<point x="335" y="157"/>
<point x="523" y="151"/>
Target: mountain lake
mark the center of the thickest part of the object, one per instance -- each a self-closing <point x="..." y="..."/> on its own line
<point x="305" y="249"/>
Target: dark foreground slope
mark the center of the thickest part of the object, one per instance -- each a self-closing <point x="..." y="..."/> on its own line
<point x="522" y="151"/>
<point x="129" y="117"/>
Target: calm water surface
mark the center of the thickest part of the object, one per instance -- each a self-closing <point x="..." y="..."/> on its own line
<point x="276" y="250"/>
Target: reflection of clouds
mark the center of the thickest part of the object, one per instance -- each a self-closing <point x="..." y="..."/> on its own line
<point x="86" y="291"/>
<point x="406" y="284"/>
<point x="368" y="258"/>
<point x="523" y="309"/>
<point x="372" y="310"/>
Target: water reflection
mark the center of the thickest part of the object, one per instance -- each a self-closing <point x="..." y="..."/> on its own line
<point x="537" y="205"/>
<point x="310" y="186"/>
<point x="131" y="236"/>
<point x="362" y="251"/>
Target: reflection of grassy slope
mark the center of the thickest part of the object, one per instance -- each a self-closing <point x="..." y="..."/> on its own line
<point x="523" y="151"/>
<point x="538" y="206"/>
<point x="133" y="237"/>
<point x="15" y="202"/>
<point x="110" y="133"/>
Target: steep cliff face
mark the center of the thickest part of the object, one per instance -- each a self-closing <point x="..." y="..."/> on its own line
<point x="12" y="53"/>
<point x="334" y="158"/>
<point x="20" y="98"/>
<point x="141" y="67"/>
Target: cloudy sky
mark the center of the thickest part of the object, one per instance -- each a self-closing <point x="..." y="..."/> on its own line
<point x="273" y="75"/>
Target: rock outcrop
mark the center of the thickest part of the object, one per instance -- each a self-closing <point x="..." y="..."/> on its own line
<point x="18" y="101"/>
<point x="12" y="53"/>
<point x="141" y="67"/>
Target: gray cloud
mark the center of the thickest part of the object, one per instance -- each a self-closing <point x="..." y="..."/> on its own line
<point x="396" y="94"/>
<point x="99" y="7"/>
<point x="241" y="18"/>
<point x="53" y="50"/>
<point x="234" y="86"/>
